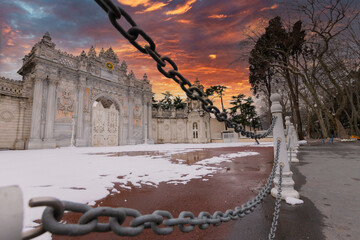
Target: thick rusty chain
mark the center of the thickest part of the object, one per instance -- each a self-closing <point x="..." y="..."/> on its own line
<point x="161" y="222"/>
<point x="132" y="34"/>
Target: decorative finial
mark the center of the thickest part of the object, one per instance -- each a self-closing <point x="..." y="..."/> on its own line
<point x="102" y="51"/>
<point x="46" y="40"/>
<point x="83" y="54"/>
<point x="123" y="67"/>
<point x="92" y="52"/>
<point x="47" y="36"/>
<point x="131" y="75"/>
<point x="145" y="78"/>
<point x="275" y="103"/>
<point x="197" y="82"/>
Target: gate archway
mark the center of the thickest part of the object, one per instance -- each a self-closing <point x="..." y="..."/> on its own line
<point x="105" y="123"/>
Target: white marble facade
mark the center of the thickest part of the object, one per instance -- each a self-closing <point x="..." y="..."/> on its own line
<point x="59" y="93"/>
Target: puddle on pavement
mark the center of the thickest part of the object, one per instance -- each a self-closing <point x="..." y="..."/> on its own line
<point x="132" y="154"/>
<point x="193" y="157"/>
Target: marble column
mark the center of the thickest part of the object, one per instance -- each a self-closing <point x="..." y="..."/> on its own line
<point x="35" y="142"/>
<point x="145" y="122"/>
<point x="49" y="141"/>
<point x="80" y="113"/>
<point x="131" y="118"/>
<point x="149" y="120"/>
<point x="20" y="143"/>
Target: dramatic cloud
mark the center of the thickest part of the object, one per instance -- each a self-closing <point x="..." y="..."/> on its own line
<point x="182" y="8"/>
<point x="270" y="8"/>
<point x="212" y="56"/>
<point x="218" y="16"/>
<point x="134" y="3"/>
<point x="154" y="7"/>
<point x="206" y="38"/>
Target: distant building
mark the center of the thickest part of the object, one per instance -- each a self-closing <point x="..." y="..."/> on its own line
<point x="188" y="125"/>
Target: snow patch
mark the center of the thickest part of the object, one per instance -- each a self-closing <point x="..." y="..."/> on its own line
<point x="293" y="201"/>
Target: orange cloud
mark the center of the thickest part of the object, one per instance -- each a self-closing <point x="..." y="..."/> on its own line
<point x="270" y="8"/>
<point x="218" y="16"/>
<point x="154" y="7"/>
<point x="212" y="56"/>
<point x="181" y="9"/>
<point x="146" y="3"/>
<point x="183" y="21"/>
<point x="134" y="3"/>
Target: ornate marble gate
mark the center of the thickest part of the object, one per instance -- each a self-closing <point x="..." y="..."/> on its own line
<point x="105" y="124"/>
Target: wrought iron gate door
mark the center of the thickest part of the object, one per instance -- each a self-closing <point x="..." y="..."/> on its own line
<point x="105" y="124"/>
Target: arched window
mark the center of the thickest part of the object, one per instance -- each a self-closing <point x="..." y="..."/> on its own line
<point x="195" y="130"/>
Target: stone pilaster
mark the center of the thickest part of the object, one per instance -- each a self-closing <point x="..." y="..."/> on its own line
<point x="35" y="142"/>
<point x="149" y="120"/>
<point x="20" y="142"/>
<point x="80" y="113"/>
<point x="131" y="118"/>
<point x="145" y="122"/>
<point x="49" y="141"/>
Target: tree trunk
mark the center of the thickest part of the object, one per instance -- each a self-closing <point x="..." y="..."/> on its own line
<point x="295" y="101"/>
<point x="269" y="110"/>
<point x="223" y="109"/>
<point x="324" y="131"/>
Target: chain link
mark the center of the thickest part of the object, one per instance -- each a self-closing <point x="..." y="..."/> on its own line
<point x="193" y="92"/>
<point x="277" y="206"/>
<point x="161" y="222"/>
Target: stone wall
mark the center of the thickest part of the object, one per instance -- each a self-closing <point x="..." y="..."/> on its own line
<point x="14" y="114"/>
<point x="216" y="129"/>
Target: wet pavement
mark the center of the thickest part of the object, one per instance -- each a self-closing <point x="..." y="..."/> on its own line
<point x="327" y="179"/>
<point x="236" y="183"/>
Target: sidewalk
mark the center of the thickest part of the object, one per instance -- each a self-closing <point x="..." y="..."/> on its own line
<point x="328" y="179"/>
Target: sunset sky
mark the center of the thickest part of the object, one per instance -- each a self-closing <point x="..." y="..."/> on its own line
<point x="202" y="36"/>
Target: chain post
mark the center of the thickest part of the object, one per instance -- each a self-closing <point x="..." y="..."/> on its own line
<point x="294" y="143"/>
<point x="279" y="135"/>
<point x="11" y="209"/>
<point x="292" y="140"/>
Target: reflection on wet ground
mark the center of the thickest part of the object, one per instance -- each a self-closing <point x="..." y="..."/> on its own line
<point x="192" y="157"/>
<point x="133" y="153"/>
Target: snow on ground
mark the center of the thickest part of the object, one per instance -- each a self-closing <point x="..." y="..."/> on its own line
<point x="86" y="174"/>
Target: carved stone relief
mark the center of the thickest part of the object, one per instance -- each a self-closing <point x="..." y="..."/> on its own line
<point x="6" y="116"/>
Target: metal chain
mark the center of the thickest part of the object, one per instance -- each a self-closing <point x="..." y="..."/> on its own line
<point x="161" y="222"/>
<point x="277" y="205"/>
<point x="193" y="92"/>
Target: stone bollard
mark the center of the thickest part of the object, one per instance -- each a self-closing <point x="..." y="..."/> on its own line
<point x="278" y="133"/>
<point x="11" y="209"/>
<point x="292" y="142"/>
<point x="295" y="137"/>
